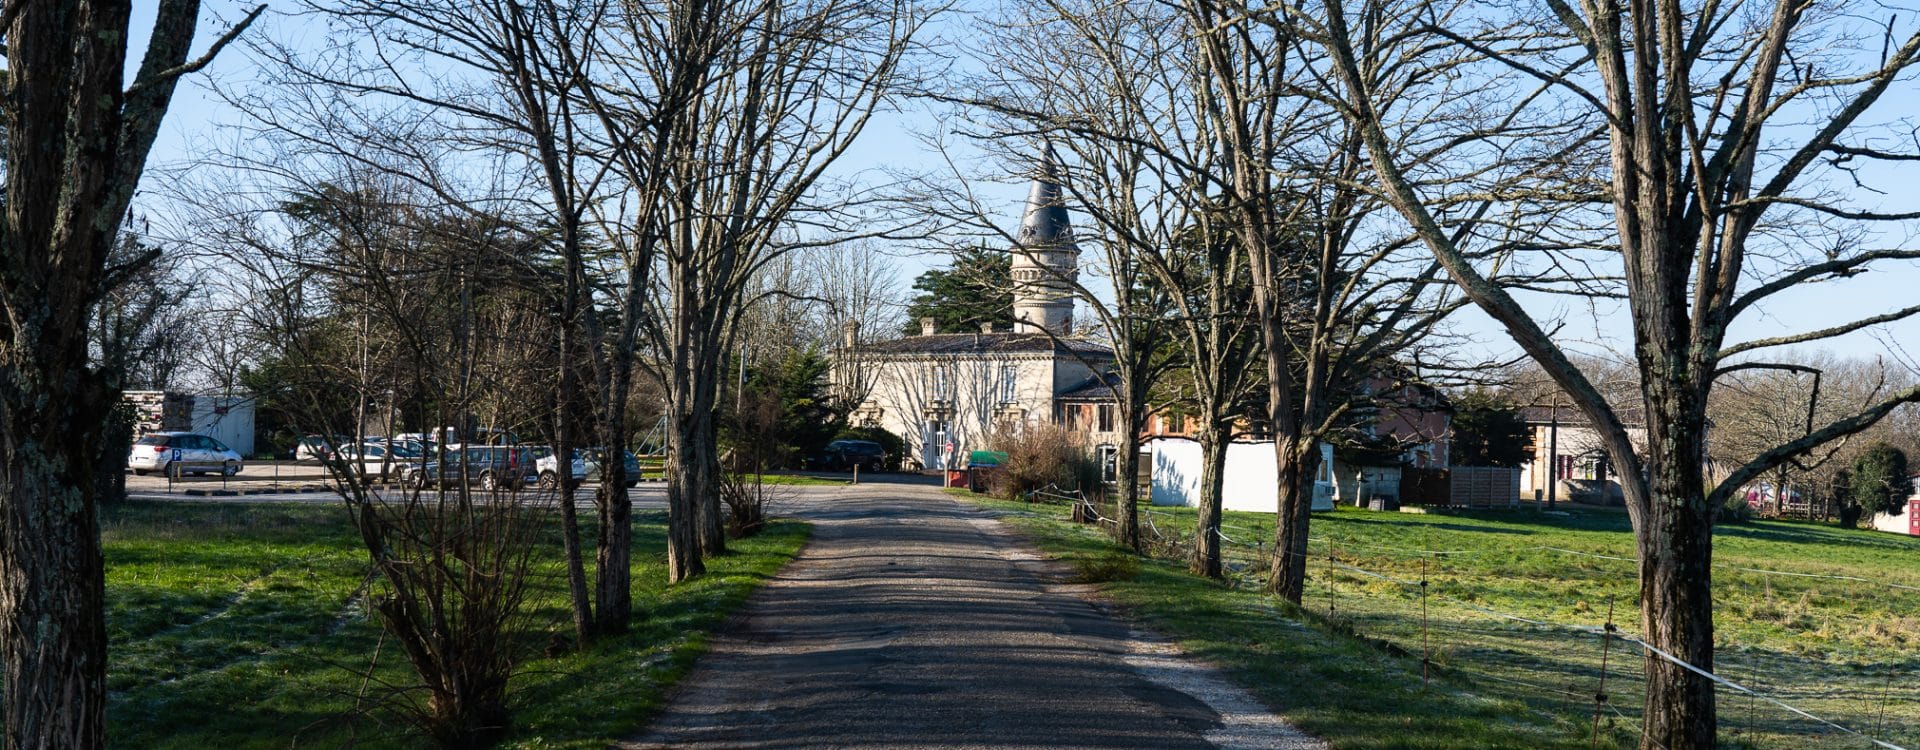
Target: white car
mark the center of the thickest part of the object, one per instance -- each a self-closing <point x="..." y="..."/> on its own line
<point x="586" y="466"/>
<point x="182" y="453"/>
<point x="376" y="459"/>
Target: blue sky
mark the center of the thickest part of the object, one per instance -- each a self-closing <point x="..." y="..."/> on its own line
<point x="892" y="143"/>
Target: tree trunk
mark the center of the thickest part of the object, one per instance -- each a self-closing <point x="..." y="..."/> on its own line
<point x="1292" y="513"/>
<point x="705" y="475"/>
<point x="1675" y="536"/>
<point x="1296" y="466"/>
<point x="570" y="544"/>
<point x="563" y="445"/>
<point x="1206" y="542"/>
<point x="688" y="479"/>
<point x="52" y="586"/>
<point x="613" y="575"/>
<point x="1126" y="506"/>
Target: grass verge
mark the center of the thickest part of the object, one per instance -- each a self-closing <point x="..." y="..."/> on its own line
<point x="243" y="626"/>
<point x="1836" y="647"/>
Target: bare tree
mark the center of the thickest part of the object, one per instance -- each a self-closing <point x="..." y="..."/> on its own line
<point x="501" y="79"/>
<point x="1725" y="132"/>
<point x="362" y="292"/>
<point x="740" y="107"/>
<point x="75" y="145"/>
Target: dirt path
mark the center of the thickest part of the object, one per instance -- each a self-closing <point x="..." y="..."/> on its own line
<point x="913" y="620"/>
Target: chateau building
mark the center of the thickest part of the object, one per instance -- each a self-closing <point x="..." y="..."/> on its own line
<point x="947" y="393"/>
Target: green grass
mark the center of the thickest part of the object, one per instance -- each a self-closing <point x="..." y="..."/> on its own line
<point x="242" y="626"/>
<point x="1824" y="645"/>
<point x="803" y="480"/>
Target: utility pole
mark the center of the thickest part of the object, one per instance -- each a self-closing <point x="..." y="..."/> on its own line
<point x="1553" y="453"/>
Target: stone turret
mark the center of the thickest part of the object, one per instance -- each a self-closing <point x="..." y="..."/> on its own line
<point x="1045" y="257"/>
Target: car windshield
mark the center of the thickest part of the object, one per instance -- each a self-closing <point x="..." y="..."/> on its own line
<point x="153" y="440"/>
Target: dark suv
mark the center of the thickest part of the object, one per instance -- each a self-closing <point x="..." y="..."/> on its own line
<point x="843" y="455"/>
<point x="489" y="467"/>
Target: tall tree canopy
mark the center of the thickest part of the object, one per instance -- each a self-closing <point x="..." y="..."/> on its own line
<point x="977" y="288"/>
<point x="1879" y="482"/>
<point x="1488" y="430"/>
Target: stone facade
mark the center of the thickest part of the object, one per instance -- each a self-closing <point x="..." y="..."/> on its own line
<point x="946" y="394"/>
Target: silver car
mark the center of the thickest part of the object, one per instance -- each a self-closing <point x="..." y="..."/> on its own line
<point x="182" y="453"/>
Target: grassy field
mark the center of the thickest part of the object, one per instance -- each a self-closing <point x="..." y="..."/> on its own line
<point x="243" y="626"/>
<point x="1846" y="650"/>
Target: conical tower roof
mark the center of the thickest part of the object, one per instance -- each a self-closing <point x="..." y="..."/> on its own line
<point x="1046" y="223"/>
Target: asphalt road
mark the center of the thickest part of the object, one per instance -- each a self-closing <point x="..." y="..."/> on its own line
<point x="916" y="621"/>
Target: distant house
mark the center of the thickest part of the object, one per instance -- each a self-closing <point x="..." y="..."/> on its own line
<point x="1567" y="447"/>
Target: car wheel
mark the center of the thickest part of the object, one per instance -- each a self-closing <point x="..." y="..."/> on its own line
<point x="141" y="472"/>
<point x="875" y="467"/>
<point x="631" y="485"/>
<point x="230" y="468"/>
<point x="487" y="482"/>
<point x="549" y="481"/>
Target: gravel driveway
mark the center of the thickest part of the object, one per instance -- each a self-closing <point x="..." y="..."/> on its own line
<point x="915" y="620"/>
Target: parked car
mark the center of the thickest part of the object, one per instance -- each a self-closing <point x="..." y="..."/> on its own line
<point x="844" y="455"/>
<point x="479" y="437"/>
<point x="377" y="459"/>
<point x="318" y="448"/>
<point x="489" y="468"/>
<point x="586" y="466"/>
<point x="417" y="447"/>
<point x="195" y="454"/>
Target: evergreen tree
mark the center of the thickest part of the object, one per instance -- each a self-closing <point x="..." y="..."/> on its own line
<point x="977" y="288"/>
<point x="1488" y="430"/>
<point x="1879" y="482"/>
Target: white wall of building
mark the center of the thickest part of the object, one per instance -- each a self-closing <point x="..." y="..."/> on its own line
<point x="960" y="403"/>
<point x="228" y="419"/>
<point x="1250" y="481"/>
<point x="1907" y="522"/>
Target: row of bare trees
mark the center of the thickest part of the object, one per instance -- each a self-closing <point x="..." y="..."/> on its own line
<point x="1375" y="164"/>
<point x="1361" y="167"/>
<point x="451" y="207"/>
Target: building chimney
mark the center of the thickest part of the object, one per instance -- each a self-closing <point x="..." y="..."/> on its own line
<point x="850" y="333"/>
<point x="986" y="326"/>
<point x="926" y="326"/>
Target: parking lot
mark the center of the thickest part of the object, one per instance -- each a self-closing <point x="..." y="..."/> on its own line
<point x="308" y="481"/>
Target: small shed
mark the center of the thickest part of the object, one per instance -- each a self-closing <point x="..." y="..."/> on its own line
<point x="1905" y="523"/>
<point x="1249" y="482"/>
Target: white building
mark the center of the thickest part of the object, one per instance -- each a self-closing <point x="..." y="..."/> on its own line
<point x="946" y="393"/>
<point x="224" y="417"/>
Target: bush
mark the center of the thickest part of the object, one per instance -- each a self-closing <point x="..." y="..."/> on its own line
<point x="1735" y="510"/>
<point x="745" y="496"/>
<point x="1043" y="455"/>
<point x="1112" y="565"/>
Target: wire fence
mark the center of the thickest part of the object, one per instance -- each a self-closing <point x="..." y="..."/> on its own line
<point x="1577" y="661"/>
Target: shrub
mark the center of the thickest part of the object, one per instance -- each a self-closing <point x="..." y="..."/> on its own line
<point x="745" y="496"/>
<point x="1043" y="455"/>
<point x="1735" y="510"/>
<point x="1113" y="565"/>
